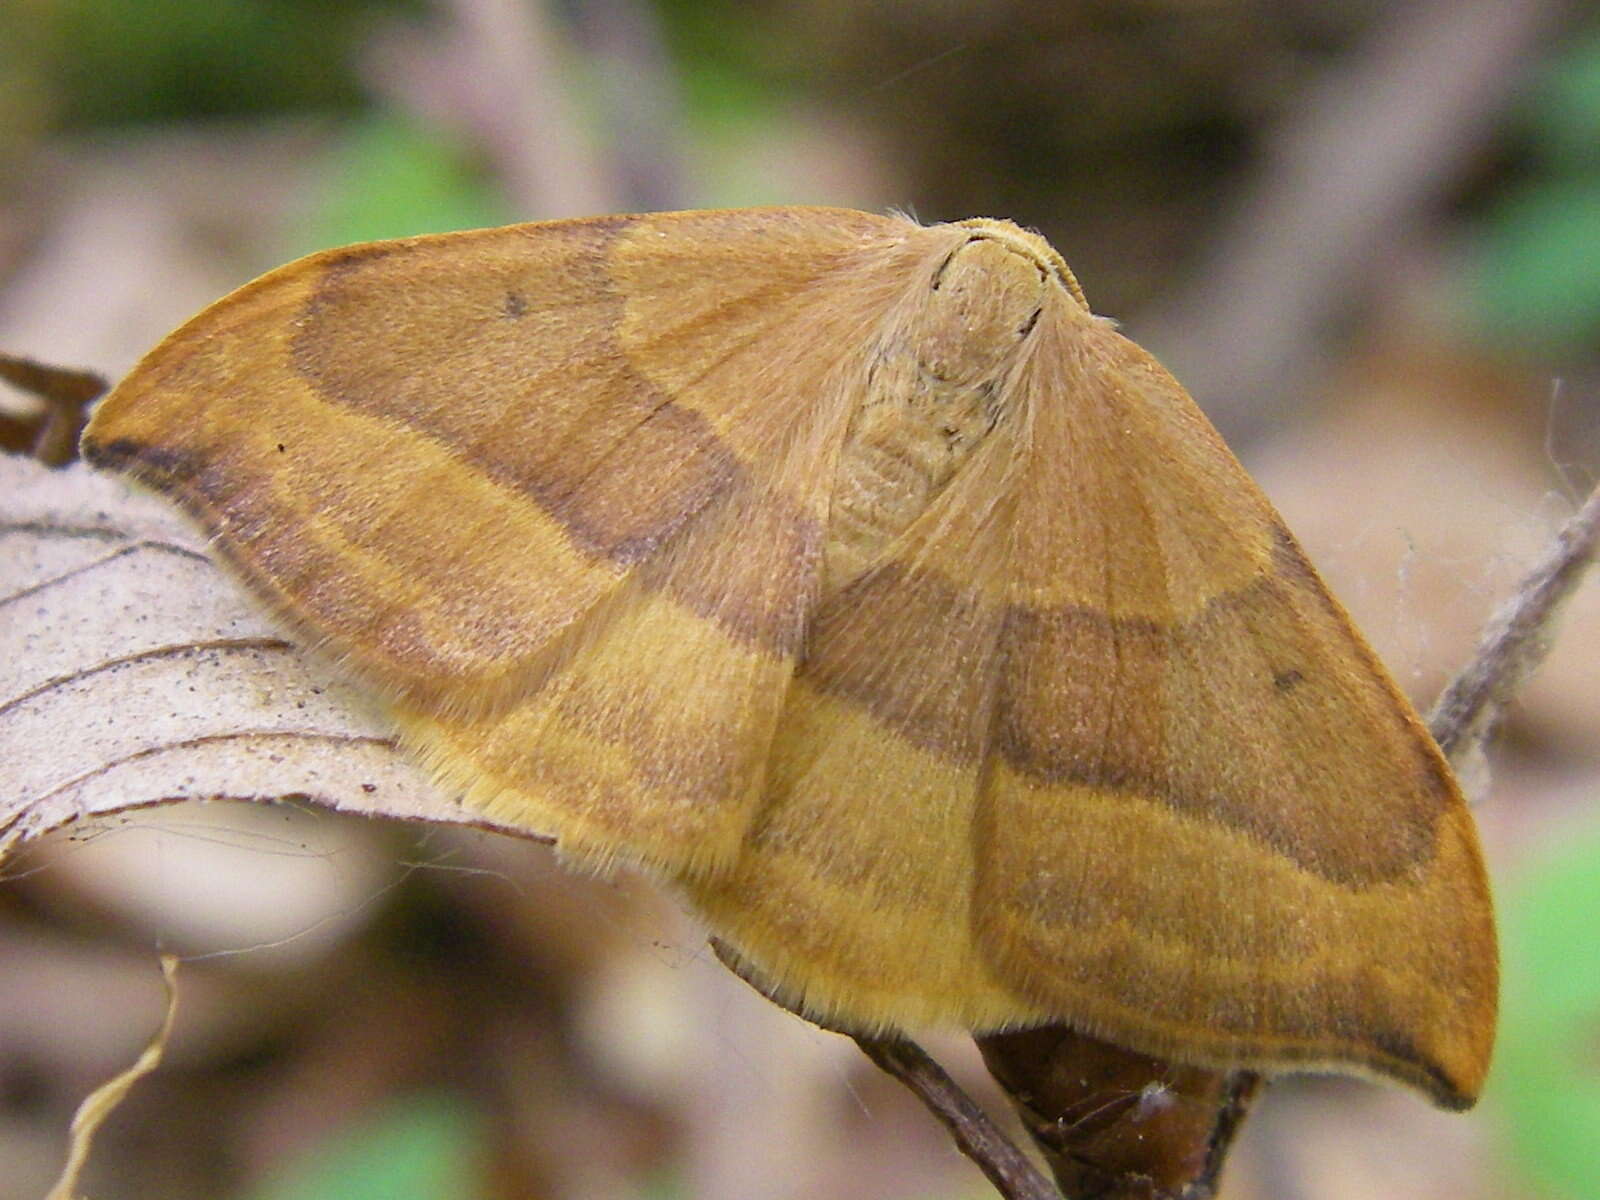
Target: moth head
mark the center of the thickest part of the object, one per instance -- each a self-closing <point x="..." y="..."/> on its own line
<point x="1030" y="246"/>
<point x="983" y="300"/>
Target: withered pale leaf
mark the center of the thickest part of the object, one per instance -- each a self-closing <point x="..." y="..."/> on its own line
<point x="132" y="672"/>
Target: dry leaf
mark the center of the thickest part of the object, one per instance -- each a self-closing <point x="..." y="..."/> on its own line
<point x="132" y="672"/>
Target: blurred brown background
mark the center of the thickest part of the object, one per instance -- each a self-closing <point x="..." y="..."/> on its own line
<point x="1367" y="234"/>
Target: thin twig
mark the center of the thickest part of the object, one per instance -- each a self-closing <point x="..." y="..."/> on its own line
<point x="1515" y="641"/>
<point x="66" y="395"/>
<point x="980" y="1139"/>
<point x="103" y="1101"/>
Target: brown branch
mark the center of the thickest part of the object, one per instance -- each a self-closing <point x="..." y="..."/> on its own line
<point x="1513" y="643"/>
<point x="980" y="1139"/>
<point x="51" y="437"/>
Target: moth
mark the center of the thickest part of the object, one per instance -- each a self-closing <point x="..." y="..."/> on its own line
<point x="854" y="577"/>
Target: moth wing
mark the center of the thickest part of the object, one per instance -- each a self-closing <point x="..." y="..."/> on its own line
<point x="560" y="482"/>
<point x="1099" y="749"/>
<point x="853" y="897"/>
<point x="1211" y="826"/>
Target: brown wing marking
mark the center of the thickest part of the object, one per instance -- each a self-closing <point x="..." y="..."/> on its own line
<point x="1211" y="826"/>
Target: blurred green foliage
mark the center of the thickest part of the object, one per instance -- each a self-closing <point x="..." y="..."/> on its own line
<point x="95" y="63"/>
<point x="393" y="177"/>
<point x="421" y="1148"/>
<point x="1547" y="1065"/>
<point x="723" y="46"/>
<point x="1536" y="262"/>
